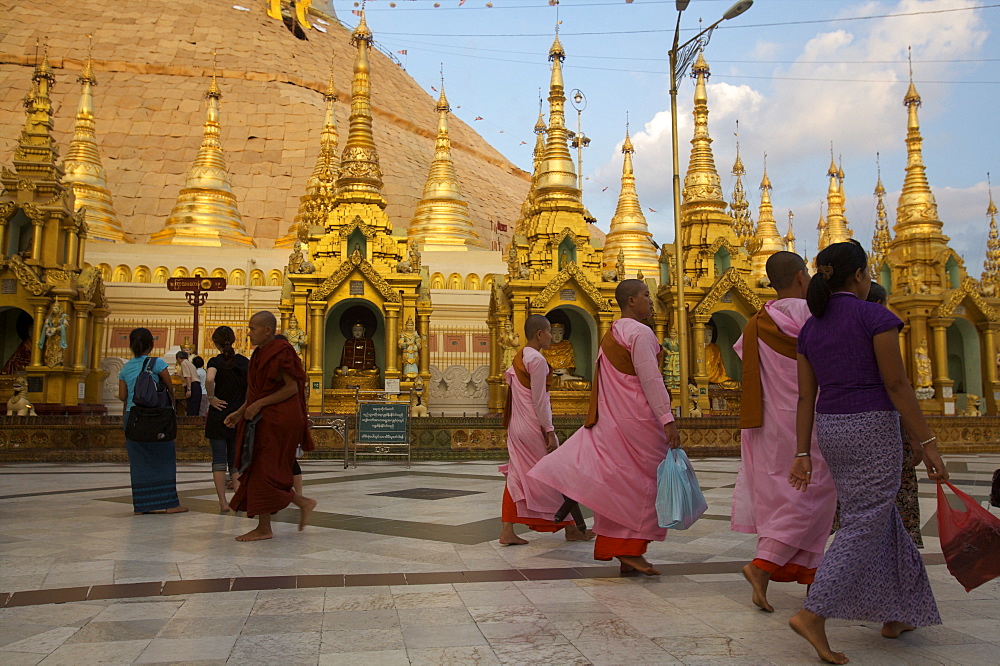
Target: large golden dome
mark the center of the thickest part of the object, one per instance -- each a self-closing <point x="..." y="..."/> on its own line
<point x="153" y="61"/>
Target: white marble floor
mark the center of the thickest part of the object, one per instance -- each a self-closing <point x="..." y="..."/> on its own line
<point x="68" y="529"/>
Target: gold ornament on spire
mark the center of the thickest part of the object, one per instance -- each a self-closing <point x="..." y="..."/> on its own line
<point x="990" y="280"/>
<point x="767" y="239"/>
<point x="360" y="178"/>
<point x="821" y="231"/>
<point x="628" y="231"/>
<point x="702" y="187"/>
<point x="441" y="220"/>
<point x="36" y="149"/>
<point x="84" y="171"/>
<point x="557" y="182"/>
<point x="916" y="212"/>
<point x="740" y="207"/>
<point x="837" y="230"/>
<point x="790" y="236"/>
<point x="205" y="212"/>
<point x="321" y="188"/>
<point x="537" y="154"/>
<point x="881" y="238"/>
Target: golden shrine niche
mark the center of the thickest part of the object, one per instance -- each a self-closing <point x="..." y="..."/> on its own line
<point x="53" y="308"/>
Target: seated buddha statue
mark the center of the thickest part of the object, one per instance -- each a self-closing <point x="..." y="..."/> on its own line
<point x="714" y="367"/>
<point x="562" y="358"/>
<point x="358" y="356"/>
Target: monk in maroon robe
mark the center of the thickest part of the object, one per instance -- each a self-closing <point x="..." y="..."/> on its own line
<point x="275" y="391"/>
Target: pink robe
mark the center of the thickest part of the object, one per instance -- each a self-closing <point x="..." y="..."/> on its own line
<point x="611" y="467"/>
<point x="531" y="417"/>
<point x="786" y="520"/>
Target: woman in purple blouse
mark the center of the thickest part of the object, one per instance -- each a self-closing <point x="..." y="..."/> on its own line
<point x="849" y="352"/>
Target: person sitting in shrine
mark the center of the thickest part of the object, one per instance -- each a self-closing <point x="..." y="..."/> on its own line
<point x="714" y="367"/>
<point x="562" y="358"/>
<point x="358" y="356"/>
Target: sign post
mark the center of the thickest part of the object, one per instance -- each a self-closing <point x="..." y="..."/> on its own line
<point x="197" y="289"/>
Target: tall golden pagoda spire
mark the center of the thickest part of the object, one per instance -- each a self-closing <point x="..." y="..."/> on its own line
<point x="537" y="153"/>
<point x="628" y="231"/>
<point x="360" y="178"/>
<point x="206" y="212"/>
<point x="991" y="267"/>
<point x="557" y="183"/>
<point x="702" y="187"/>
<point x="740" y="207"/>
<point x="767" y="239"/>
<point x="881" y="238"/>
<point x="837" y="230"/>
<point x="441" y="220"/>
<point x="916" y="212"/>
<point x="84" y="171"/>
<point x="321" y="188"/>
<point x="36" y="153"/>
<point x="790" y="236"/>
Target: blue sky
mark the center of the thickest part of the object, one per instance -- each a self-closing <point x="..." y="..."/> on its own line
<point x="797" y="74"/>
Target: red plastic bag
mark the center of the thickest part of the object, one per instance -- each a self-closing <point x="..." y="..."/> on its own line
<point x="970" y="539"/>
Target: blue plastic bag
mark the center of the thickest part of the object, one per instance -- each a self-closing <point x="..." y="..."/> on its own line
<point x="679" y="500"/>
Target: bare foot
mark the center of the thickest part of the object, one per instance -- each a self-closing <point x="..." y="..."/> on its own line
<point x="256" y="534"/>
<point x="896" y="629"/>
<point x="639" y="564"/>
<point x="758" y="581"/>
<point x="305" y="508"/>
<point x="511" y="539"/>
<point x="177" y="509"/>
<point x="812" y="627"/>
<point x="573" y="533"/>
<point x="223" y="508"/>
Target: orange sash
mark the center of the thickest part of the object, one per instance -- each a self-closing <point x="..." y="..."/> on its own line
<point x="521" y="372"/>
<point x="621" y="360"/>
<point x="760" y="327"/>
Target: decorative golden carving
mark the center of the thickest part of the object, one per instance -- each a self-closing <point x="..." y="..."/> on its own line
<point x="731" y="279"/>
<point x="966" y="289"/>
<point x="588" y="288"/>
<point x="357" y="223"/>
<point x="345" y="269"/>
<point x="25" y="275"/>
<point x="56" y="276"/>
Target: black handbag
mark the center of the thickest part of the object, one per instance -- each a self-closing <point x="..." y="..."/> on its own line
<point x="151" y="424"/>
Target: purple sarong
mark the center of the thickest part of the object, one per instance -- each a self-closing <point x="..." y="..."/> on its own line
<point x="872" y="571"/>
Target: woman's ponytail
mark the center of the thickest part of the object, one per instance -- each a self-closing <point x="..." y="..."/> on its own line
<point x="835" y="265"/>
<point x="224" y="337"/>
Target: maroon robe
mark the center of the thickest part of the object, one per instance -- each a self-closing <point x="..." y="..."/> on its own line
<point x="266" y="486"/>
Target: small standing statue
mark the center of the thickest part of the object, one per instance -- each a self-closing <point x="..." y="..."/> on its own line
<point x="925" y="383"/>
<point x="620" y="265"/>
<point x="53" y="339"/>
<point x="18" y="404"/>
<point x="409" y="344"/>
<point x="672" y="359"/>
<point x="299" y="262"/>
<point x="296" y="337"/>
<point x="412" y="262"/>
<point x="514" y="267"/>
<point x="509" y="342"/>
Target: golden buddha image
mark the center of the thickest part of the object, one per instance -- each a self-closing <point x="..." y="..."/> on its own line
<point x="562" y="359"/>
<point x="714" y="367"/>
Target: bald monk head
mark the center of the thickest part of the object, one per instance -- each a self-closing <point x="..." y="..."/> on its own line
<point x="788" y="275"/>
<point x="633" y="298"/>
<point x="537" y="331"/>
<point x="262" y="327"/>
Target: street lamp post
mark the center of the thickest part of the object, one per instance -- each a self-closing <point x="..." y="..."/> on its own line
<point x="580" y="140"/>
<point x="680" y="58"/>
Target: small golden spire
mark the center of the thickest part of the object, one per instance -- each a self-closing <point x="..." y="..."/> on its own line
<point x="206" y="213"/>
<point x="790" y="236"/>
<point x="881" y="237"/>
<point x="84" y="171"/>
<point x="557" y="181"/>
<point x="629" y="232"/>
<point x="916" y="212"/>
<point x="991" y="267"/>
<point x="360" y="179"/>
<point x="321" y="188"/>
<point x="36" y="144"/>
<point x="537" y="154"/>
<point x="702" y="187"/>
<point x="821" y="231"/>
<point x="837" y="230"/>
<point x="740" y="207"/>
<point x="441" y="219"/>
<point x="767" y="240"/>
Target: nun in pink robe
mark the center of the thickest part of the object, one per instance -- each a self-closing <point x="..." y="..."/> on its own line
<point x="611" y="467"/>
<point x="792" y="527"/>
<point x="534" y="503"/>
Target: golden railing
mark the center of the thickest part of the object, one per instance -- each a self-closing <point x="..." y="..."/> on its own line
<point x="169" y="332"/>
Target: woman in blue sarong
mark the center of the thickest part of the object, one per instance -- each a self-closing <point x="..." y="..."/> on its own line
<point x="152" y="465"/>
